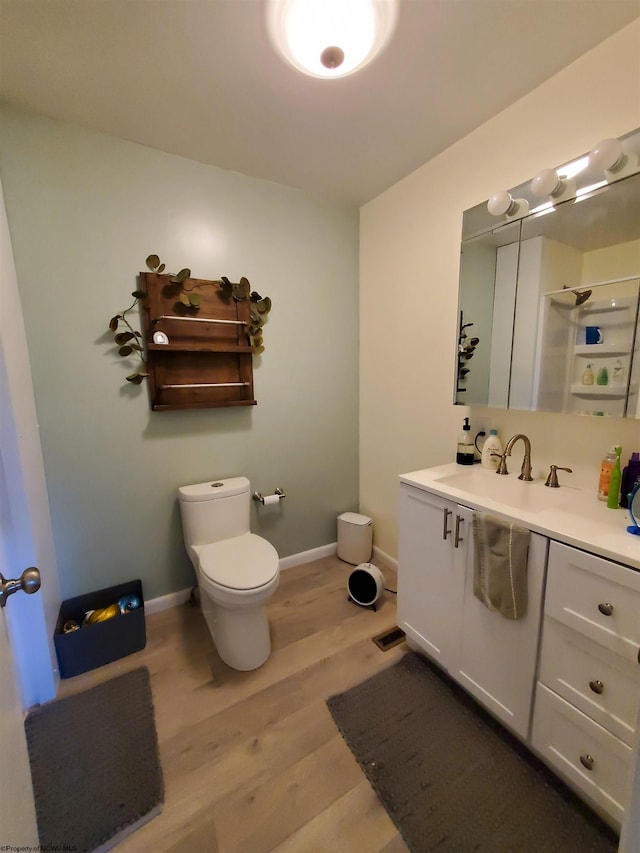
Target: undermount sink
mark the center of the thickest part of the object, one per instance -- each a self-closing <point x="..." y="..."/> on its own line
<point x="534" y="496"/>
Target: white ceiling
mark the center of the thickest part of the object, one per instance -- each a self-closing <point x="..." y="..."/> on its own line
<point x="199" y="78"/>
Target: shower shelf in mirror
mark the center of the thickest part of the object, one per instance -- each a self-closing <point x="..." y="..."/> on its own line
<point x="603" y="391"/>
<point x="600" y="351"/>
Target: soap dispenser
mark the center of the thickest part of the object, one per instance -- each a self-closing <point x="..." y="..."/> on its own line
<point x="465" y="454"/>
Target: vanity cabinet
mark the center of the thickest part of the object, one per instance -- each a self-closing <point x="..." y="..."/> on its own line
<point x="492" y="657"/>
<point x="588" y="682"/>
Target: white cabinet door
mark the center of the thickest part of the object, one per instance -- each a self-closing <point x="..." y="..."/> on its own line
<point x="498" y="655"/>
<point x="431" y="574"/>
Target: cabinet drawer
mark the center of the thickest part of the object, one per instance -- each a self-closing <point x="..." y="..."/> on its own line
<point x="596" y="597"/>
<point x="602" y="684"/>
<point x="563" y="736"/>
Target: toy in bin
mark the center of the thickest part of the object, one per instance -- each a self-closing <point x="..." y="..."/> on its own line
<point x="125" y="605"/>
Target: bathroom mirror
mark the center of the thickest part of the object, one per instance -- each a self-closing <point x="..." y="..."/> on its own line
<point x="549" y="293"/>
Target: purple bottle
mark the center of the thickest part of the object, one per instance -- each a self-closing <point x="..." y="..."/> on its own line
<point x="630" y="479"/>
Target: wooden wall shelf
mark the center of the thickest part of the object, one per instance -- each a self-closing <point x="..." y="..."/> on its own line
<point x="208" y="360"/>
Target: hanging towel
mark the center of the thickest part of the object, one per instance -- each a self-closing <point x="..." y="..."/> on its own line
<point x="500" y="565"/>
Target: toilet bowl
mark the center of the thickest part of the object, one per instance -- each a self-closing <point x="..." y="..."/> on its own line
<point x="237" y="571"/>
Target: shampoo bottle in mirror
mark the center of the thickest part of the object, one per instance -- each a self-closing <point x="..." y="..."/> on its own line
<point x="465" y="454"/>
<point x="491" y="451"/>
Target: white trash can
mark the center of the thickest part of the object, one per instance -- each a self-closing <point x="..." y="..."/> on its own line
<point x="355" y="538"/>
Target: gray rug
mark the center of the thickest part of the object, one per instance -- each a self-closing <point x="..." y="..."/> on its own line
<point x="450" y="777"/>
<point x="94" y="764"/>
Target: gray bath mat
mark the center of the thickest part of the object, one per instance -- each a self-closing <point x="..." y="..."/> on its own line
<point x="450" y="777"/>
<point x="94" y="764"/>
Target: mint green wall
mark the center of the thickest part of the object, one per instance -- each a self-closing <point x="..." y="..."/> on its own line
<point x="84" y="211"/>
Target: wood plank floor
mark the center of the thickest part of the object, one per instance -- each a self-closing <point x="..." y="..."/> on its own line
<point x="253" y="761"/>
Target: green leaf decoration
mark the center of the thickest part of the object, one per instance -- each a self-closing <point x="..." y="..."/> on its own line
<point x="264" y="306"/>
<point x="153" y="262"/>
<point x="255" y="297"/>
<point x="241" y="290"/>
<point x="161" y="268"/>
<point x="125" y="350"/>
<point x="113" y="322"/>
<point x="258" y="350"/>
<point x="256" y="340"/>
<point x="224" y="281"/>
<point x="122" y="337"/>
<point x="136" y="347"/>
<point x="139" y="294"/>
<point x="136" y="378"/>
<point x="184" y="298"/>
<point x="183" y="275"/>
<point x="195" y="299"/>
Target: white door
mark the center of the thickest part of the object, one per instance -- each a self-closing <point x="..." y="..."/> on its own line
<point x="17" y="811"/>
<point x="26" y="655"/>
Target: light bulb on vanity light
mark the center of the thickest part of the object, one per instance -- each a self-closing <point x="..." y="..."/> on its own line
<point x="609" y="156"/>
<point x="549" y="184"/>
<point x="503" y="204"/>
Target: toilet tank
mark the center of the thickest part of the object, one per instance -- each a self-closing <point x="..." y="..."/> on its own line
<point x="218" y="509"/>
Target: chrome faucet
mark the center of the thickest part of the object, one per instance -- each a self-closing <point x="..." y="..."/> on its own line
<point x="525" y="472"/>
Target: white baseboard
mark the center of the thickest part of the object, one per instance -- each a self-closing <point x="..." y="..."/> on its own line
<point x="386" y="558"/>
<point x="308" y="556"/>
<point x="164" y="602"/>
<point x="173" y="599"/>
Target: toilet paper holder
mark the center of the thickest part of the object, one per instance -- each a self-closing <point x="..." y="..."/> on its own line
<point x="279" y="494"/>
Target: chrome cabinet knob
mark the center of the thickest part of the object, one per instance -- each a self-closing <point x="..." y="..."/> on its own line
<point x="597" y="686"/>
<point x="605" y="608"/>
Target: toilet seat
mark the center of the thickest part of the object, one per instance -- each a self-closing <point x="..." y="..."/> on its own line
<point x="244" y="562"/>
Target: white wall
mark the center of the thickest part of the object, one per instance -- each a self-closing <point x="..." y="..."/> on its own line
<point x="409" y="260"/>
<point x="84" y="211"/>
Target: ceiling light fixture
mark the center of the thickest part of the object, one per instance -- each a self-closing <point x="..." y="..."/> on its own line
<point x="330" y="38"/>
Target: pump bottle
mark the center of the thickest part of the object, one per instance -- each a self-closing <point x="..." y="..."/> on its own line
<point x="606" y="467"/>
<point x="465" y="454"/>
<point x="491" y="451"/>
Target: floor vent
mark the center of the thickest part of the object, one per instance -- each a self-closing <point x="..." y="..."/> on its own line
<point x="389" y="638"/>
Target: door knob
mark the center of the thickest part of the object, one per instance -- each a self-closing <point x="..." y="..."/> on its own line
<point x="29" y="582"/>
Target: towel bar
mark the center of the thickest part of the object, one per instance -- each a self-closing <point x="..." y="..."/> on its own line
<point x="198" y="320"/>
<point x="204" y="385"/>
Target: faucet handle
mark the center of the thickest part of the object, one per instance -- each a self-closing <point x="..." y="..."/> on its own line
<point x="552" y="479"/>
<point x="502" y="465"/>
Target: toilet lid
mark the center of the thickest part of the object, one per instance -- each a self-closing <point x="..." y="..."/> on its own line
<point x="243" y="562"/>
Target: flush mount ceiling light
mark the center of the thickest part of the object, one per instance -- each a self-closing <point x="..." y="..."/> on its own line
<point x="330" y="38"/>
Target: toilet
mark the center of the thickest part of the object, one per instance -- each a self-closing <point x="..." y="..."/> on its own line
<point x="237" y="571"/>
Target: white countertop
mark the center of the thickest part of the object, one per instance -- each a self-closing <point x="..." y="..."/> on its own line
<point x="567" y="514"/>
